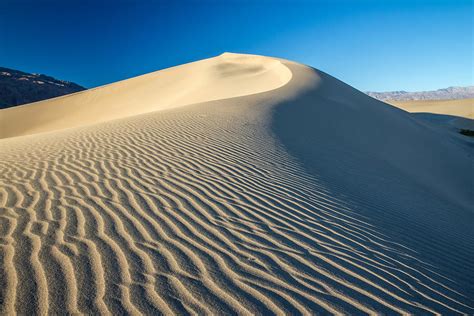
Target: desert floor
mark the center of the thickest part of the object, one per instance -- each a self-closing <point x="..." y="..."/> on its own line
<point x="462" y="108"/>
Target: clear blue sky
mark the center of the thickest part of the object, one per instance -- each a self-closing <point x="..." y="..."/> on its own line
<point x="372" y="45"/>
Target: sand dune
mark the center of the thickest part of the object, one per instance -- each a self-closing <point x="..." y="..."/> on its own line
<point x="226" y="76"/>
<point x="240" y="184"/>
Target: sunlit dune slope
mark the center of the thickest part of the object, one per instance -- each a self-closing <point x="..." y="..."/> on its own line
<point x="226" y="76"/>
<point x="240" y="184"/>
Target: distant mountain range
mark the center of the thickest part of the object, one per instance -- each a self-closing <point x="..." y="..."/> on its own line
<point x="17" y="87"/>
<point x="440" y="94"/>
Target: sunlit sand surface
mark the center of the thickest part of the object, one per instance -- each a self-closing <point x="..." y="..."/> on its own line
<point x="239" y="184"/>
<point x="462" y="108"/>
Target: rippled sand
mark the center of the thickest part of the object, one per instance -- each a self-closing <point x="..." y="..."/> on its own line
<point x="235" y="185"/>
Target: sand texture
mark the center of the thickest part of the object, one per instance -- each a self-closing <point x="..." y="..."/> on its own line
<point x="239" y="184"/>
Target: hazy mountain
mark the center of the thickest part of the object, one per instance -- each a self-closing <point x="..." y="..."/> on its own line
<point x="440" y="94"/>
<point x="17" y="87"/>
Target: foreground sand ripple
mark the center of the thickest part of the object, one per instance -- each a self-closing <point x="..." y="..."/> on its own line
<point x="199" y="210"/>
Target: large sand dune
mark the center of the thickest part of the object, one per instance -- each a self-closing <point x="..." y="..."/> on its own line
<point x="235" y="185"/>
<point x="227" y="76"/>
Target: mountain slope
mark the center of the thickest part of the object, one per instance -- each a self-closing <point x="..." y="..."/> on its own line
<point x="17" y="87"/>
<point x="450" y="93"/>
<point x="269" y="188"/>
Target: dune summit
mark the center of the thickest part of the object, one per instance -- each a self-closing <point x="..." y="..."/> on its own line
<point x="226" y="76"/>
<point x="239" y="184"/>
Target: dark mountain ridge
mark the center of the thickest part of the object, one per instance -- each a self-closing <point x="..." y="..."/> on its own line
<point x="18" y="87"/>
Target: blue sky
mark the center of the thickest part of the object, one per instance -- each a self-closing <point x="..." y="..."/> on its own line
<point x="372" y="45"/>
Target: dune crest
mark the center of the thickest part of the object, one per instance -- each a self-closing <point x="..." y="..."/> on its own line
<point x="225" y="76"/>
<point x="277" y="189"/>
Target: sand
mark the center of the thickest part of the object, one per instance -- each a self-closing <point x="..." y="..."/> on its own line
<point x="239" y="184"/>
<point x="225" y="77"/>
<point x="461" y="108"/>
<point x="453" y="115"/>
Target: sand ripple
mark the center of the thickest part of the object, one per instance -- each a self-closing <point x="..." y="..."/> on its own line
<point x="196" y="210"/>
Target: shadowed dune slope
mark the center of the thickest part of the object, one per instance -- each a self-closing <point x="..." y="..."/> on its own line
<point x="254" y="186"/>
